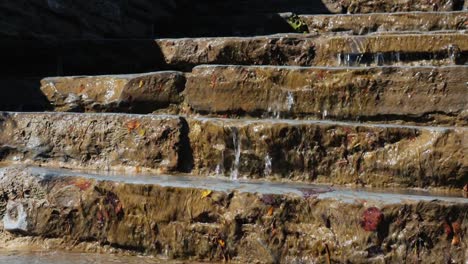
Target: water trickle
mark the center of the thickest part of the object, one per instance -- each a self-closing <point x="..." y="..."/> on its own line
<point x="348" y="61"/>
<point x="379" y="59"/>
<point x="454" y="53"/>
<point x="290" y="101"/>
<point x="219" y="171"/>
<point x="396" y="57"/>
<point x="324" y="114"/>
<point x="237" y="150"/>
<point x="339" y="59"/>
<point x="267" y="171"/>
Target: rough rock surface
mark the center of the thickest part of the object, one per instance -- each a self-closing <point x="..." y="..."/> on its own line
<point x="196" y="224"/>
<point x="284" y="49"/>
<point x="129" y="93"/>
<point x="104" y="141"/>
<point x="379" y="93"/>
<point x="324" y="50"/>
<point x="331" y="152"/>
<point x="361" y="24"/>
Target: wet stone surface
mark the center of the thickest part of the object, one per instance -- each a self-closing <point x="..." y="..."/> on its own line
<point x="361" y="24"/>
<point x="128" y="93"/>
<point x="94" y="141"/>
<point x="212" y="225"/>
<point x="421" y="94"/>
<point x="324" y="151"/>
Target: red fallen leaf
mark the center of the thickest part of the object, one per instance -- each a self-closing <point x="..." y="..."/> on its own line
<point x="447" y="229"/>
<point x="371" y="219"/>
<point x="456" y="227"/>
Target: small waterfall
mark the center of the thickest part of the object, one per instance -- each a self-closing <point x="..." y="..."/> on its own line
<point x="453" y="53"/>
<point x="339" y="59"/>
<point x="396" y="57"/>
<point x="237" y="151"/>
<point x="267" y="171"/>
<point x="348" y="61"/>
<point x="379" y="59"/>
<point x="290" y="100"/>
<point x="219" y="171"/>
<point x="324" y="114"/>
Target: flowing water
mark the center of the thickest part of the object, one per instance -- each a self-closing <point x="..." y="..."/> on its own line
<point x="349" y="195"/>
<point x="60" y="257"/>
<point x="237" y="151"/>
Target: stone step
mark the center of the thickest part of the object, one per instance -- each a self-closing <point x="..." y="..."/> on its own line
<point x="405" y="93"/>
<point x="215" y="220"/>
<point x="329" y="152"/>
<point x="322" y="50"/>
<point x="376" y="93"/>
<point x="266" y="24"/>
<point x="94" y="141"/>
<point x="361" y="24"/>
<point x="89" y="57"/>
<point x="230" y="7"/>
<point x="309" y="151"/>
<point x="148" y="19"/>
<point x="110" y="93"/>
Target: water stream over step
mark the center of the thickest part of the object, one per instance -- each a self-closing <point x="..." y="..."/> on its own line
<point x="236" y="141"/>
<point x="62" y="257"/>
<point x="347" y="195"/>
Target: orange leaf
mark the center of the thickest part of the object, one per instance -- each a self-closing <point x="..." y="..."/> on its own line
<point x="82" y="88"/>
<point x="82" y="184"/>
<point x="133" y="124"/>
<point x="270" y="211"/>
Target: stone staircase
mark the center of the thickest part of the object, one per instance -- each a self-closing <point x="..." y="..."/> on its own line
<point x="247" y="141"/>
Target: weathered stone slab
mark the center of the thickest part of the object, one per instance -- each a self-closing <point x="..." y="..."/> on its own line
<point x="330" y="152"/>
<point x="365" y="6"/>
<point x="378" y="93"/>
<point x="287" y="49"/>
<point x="361" y="24"/>
<point x="326" y="50"/>
<point x="110" y="93"/>
<point x="91" y="141"/>
<point x="215" y="225"/>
